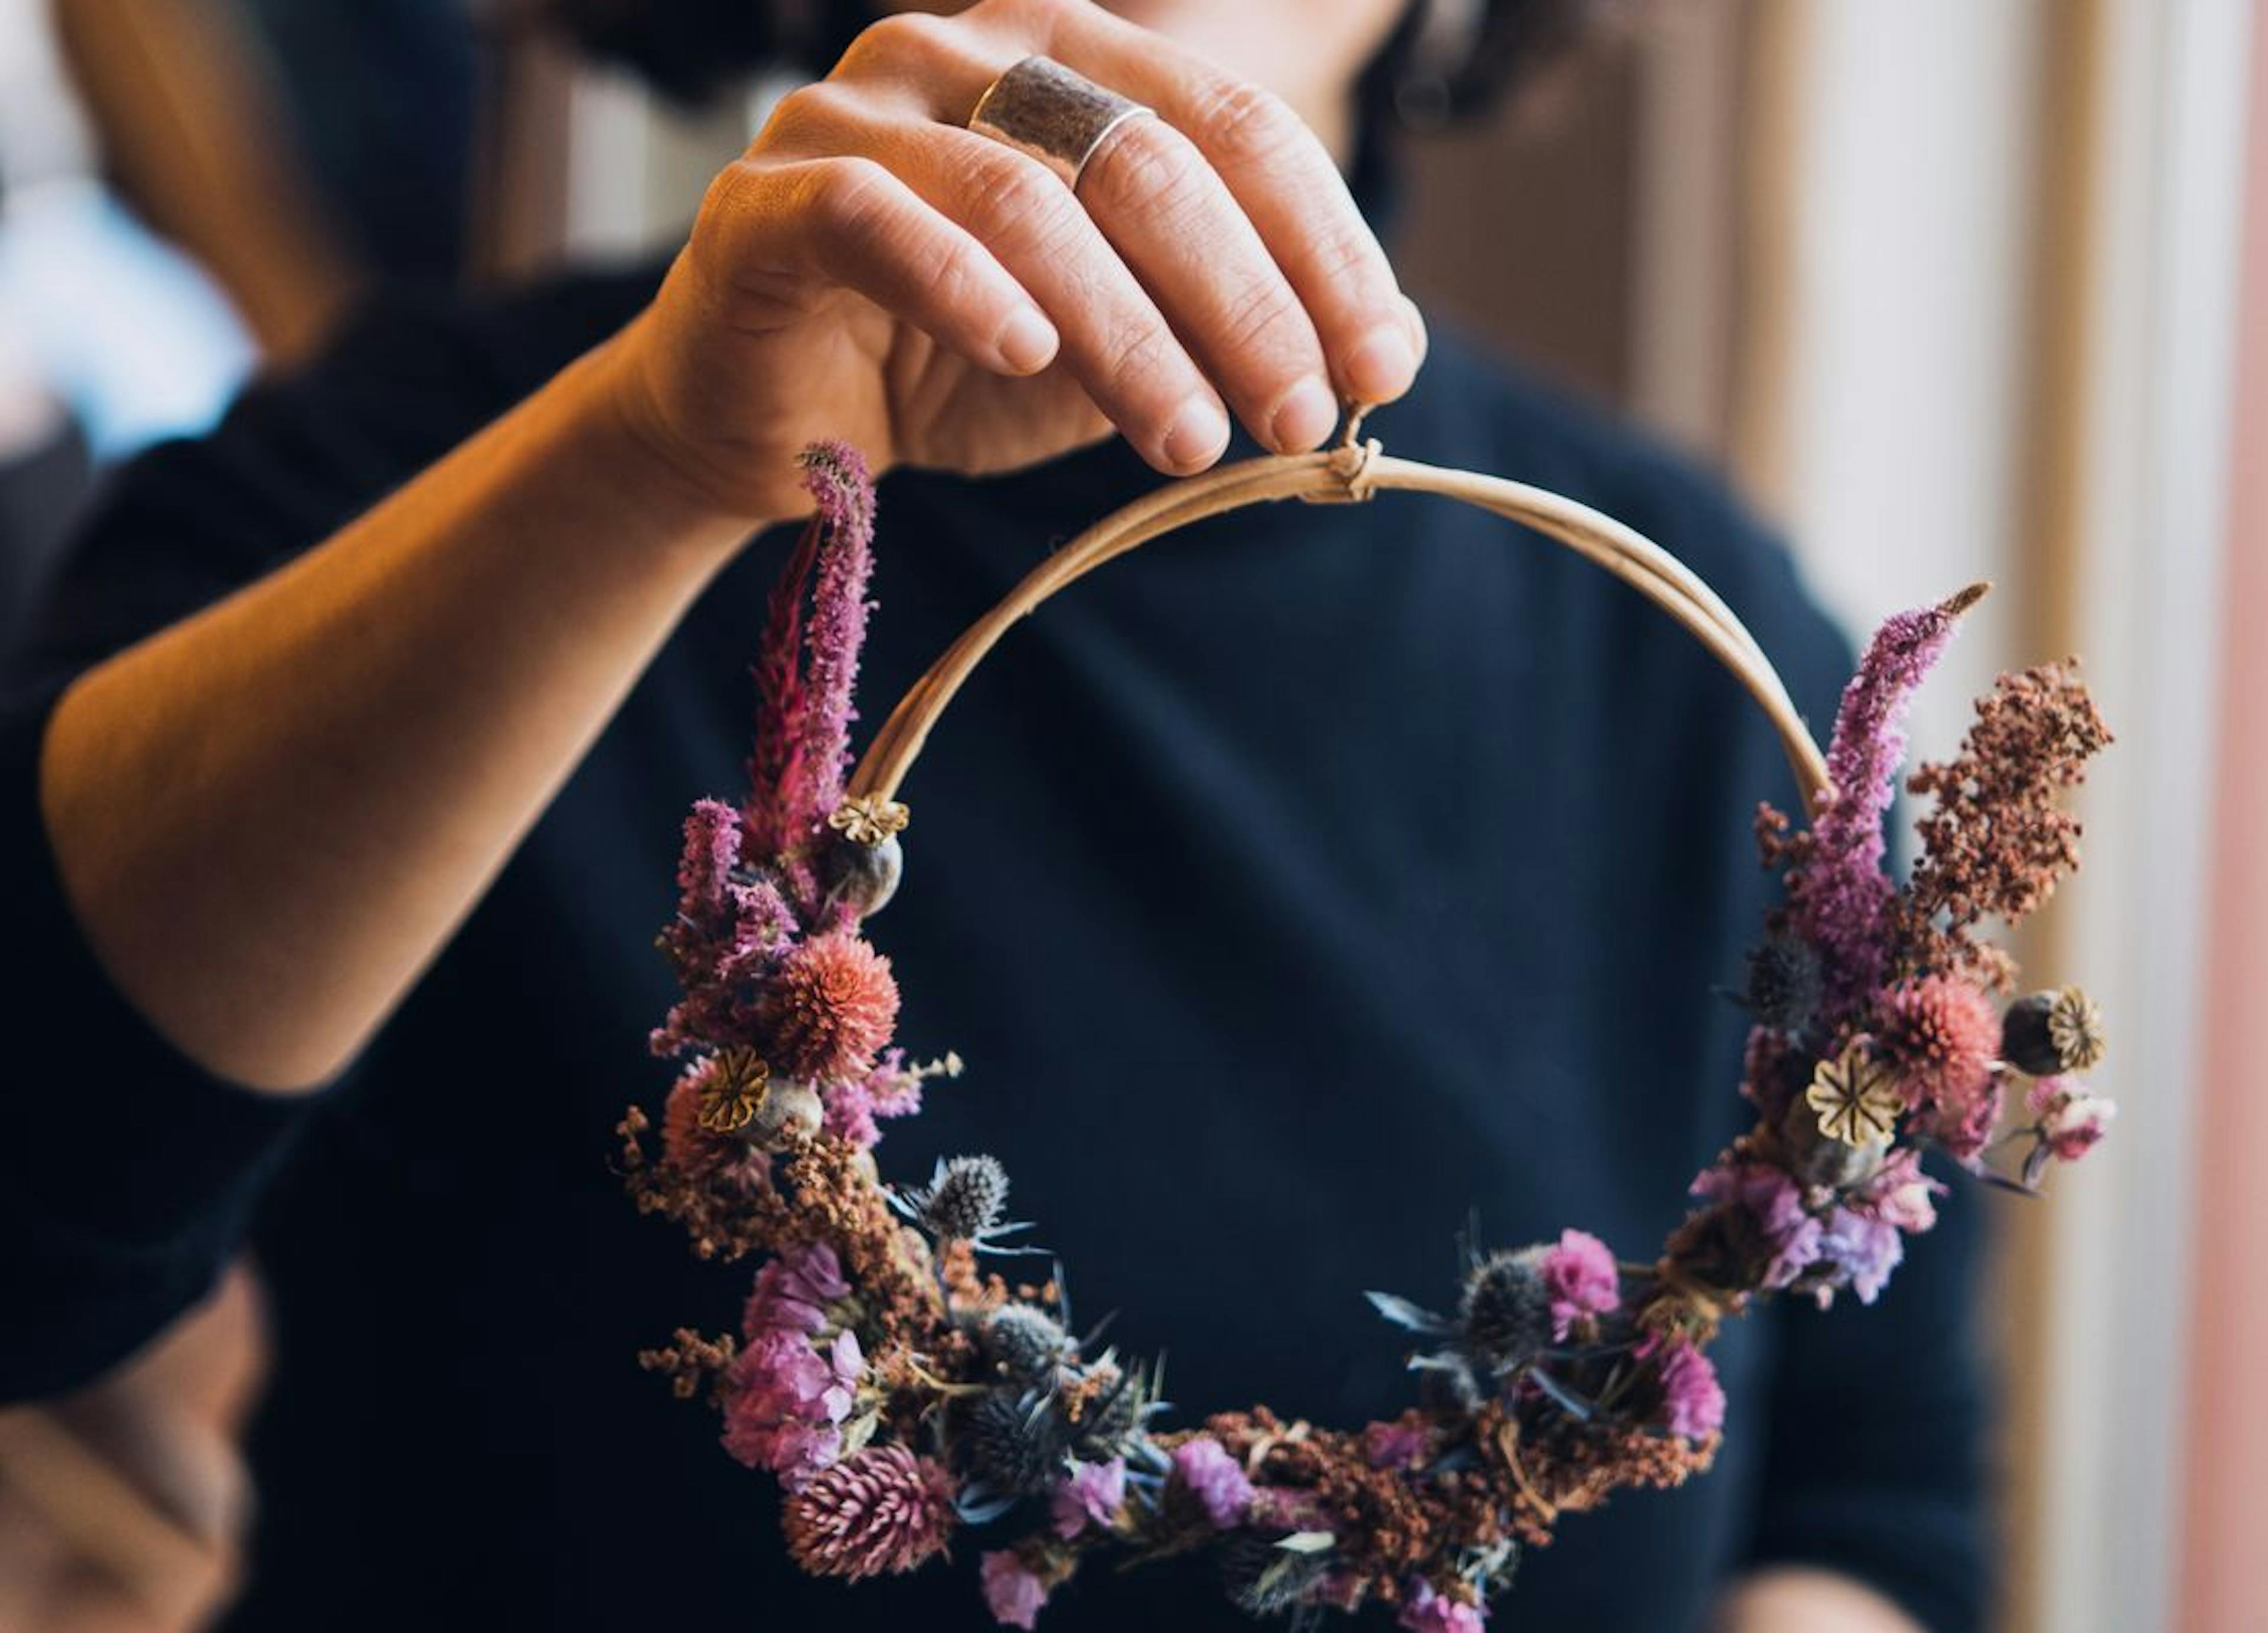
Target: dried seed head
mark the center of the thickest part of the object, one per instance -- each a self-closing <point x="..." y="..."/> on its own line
<point x="1506" y="1309"/>
<point x="2049" y="1033"/>
<point x="963" y="1203"/>
<point x="1783" y="985"/>
<point x="1026" y="1343"/>
<point x="862" y="877"/>
<point x="1010" y="1441"/>
<point x="1265" y="1580"/>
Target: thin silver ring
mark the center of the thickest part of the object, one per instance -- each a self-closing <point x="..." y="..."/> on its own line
<point x="1063" y="119"/>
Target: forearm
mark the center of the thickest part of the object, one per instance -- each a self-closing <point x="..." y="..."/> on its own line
<point x="270" y="817"/>
<point x="1793" y="1600"/>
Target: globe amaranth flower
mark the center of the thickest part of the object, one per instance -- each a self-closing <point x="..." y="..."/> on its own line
<point x="1425" y="1610"/>
<point x="1771" y="1217"/>
<point x="1092" y="1493"/>
<point x="794" y="1291"/>
<point x="2072" y="1120"/>
<point x="785" y="1402"/>
<point x="1582" y="1279"/>
<point x="1692" y="1401"/>
<point x="881" y="1511"/>
<point x="831" y="1005"/>
<point x="1013" y="1591"/>
<point x="1942" y="1038"/>
<point x="1204" y="1470"/>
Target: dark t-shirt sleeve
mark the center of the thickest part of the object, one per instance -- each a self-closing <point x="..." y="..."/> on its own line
<point x="129" y="1175"/>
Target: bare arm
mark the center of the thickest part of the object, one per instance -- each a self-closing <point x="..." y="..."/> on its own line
<point x="1790" y="1601"/>
<point x="344" y="752"/>
<point x="269" y="818"/>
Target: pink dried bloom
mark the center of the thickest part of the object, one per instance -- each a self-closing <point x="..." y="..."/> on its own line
<point x="1769" y="1218"/>
<point x="1692" y="1401"/>
<point x="786" y="1401"/>
<point x="832" y="1004"/>
<point x="1013" y="1591"/>
<point x="1861" y="1250"/>
<point x="1943" y="1036"/>
<point x="1839" y="899"/>
<point x="712" y="850"/>
<point x="1423" y="1610"/>
<point x="881" y="1511"/>
<point x="1900" y="1193"/>
<point x="1093" y="1492"/>
<point x="794" y="1291"/>
<point x="1964" y="1127"/>
<point x="1580" y="1276"/>
<point x="2072" y="1120"/>
<point x="1216" y="1480"/>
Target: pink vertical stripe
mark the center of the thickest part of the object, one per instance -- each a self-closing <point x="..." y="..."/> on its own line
<point x="2224" y="1584"/>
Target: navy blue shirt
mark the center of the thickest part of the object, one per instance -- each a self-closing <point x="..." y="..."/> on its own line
<point x="1294" y="889"/>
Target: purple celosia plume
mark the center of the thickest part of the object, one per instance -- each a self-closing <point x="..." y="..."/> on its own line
<point x="1841" y="904"/>
<point x="807" y="668"/>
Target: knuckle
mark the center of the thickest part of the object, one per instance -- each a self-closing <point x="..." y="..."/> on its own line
<point x="1131" y="358"/>
<point x="894" y="40"/>
<point x="1242" y="123"/>
<point x="1264" y="318"/>
<point x="810" y="112"/>
<point x="1020" y="204"/>
<point x="845" y="197"/>
<point x="1157" y="171"/>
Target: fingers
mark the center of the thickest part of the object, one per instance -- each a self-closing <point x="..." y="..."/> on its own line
<point x="1282" y="180"/>
<point x="851" y="221"/>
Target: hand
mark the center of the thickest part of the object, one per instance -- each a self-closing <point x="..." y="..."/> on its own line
<point x="872" y="270"/>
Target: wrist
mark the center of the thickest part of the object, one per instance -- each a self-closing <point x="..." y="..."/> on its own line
<point x="622" y="413"/>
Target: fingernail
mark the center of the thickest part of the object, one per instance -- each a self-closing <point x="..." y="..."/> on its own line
<point x="1027" y="344"/>
<point x="1199" y="434"/>
<point x="1304" y="416"/>
<point x="1382" y="364"/>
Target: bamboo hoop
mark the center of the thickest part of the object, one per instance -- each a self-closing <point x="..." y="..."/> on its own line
<point x="1351" y="473"/>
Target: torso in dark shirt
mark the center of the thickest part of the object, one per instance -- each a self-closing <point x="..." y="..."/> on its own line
<point x="1295" y="890"/>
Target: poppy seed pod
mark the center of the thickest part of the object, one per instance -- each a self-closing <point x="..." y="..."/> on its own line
<point x="2050" y="1032"/>
<point x="862" y="877"/>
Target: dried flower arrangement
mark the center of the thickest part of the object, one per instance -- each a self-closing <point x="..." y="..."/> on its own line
<point x="901" y="1392"/>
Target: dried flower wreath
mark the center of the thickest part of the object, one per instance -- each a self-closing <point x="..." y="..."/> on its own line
<point x="901" y="1392"/>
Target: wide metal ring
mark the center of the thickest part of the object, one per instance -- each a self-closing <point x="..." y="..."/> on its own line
<point x="1063" y="119"/>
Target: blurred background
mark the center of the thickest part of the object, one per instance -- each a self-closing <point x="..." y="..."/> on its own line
<point x="1953" y="288"/>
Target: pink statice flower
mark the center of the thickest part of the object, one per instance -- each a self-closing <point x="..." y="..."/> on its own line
<point x="1963" y="1125"/>
<point x="1861" y="1250"/>
<point x="1692" y="1399"/>
<point x="1423" y="1610"/>
<point x="785" y="1403"/>
<point x="1841" y="903"/>
<point x="1013" y="1591"/>
<point x="2072" y="1120"/>
<point x="1900" y="1193"/>
<point x="794" y="1291"/>
<point x="1091" y="1493"/>
<point x="1218" y="1481"/>
<point x="1771" y="1207"/>
<point x="1581" y="1277"/>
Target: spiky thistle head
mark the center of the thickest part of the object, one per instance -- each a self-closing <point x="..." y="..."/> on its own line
<point x="962" y="1201"/>
<point x="1505" y="1311"/>
<point x="1025" y="1343"/>
<point x="1010" y="1441"/>
<point x="1782" y="992"/>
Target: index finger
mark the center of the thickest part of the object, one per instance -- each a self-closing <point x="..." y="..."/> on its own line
<point x="1283" y="179"/>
